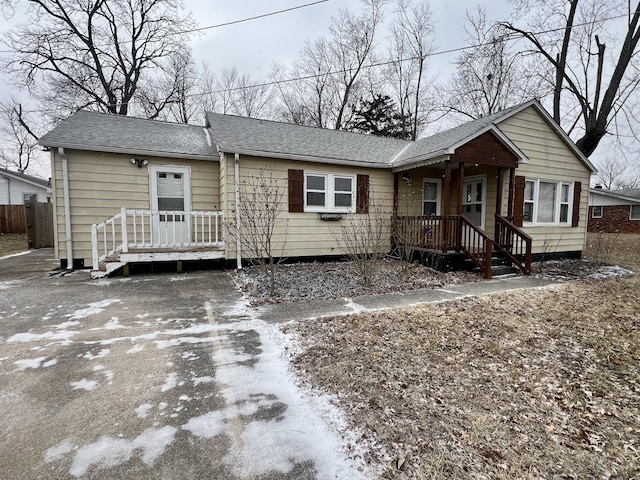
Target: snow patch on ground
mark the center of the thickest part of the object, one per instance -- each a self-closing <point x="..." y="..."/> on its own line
<point x="102" y="353"/>
<point x="136" y="349"/>
<point x="65" y="325"/>
<point x="64" y="335"/>
<point x="59" y="451"/>
<point x="198" y="380"/>
<point x="170" y="382"/>
<point x="14" y="255"/>
<point x="610" y="271"/>
<point x="84" y="384"/>
<point x="110" y="452"/>
<point x="143" y="410"/>
<point x="29" y="363"/>
<point x="113" y="324"/>
<point x="93" y="308"/>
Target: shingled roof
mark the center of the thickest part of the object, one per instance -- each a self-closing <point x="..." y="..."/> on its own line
<point x="40" y="182"/>
<point x="264" y="138"/>
<point x="105" y="132"/>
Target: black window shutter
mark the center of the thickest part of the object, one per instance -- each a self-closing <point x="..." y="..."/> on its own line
<point x="577" y="190"/>
<point x="518" y="201"/>
<point x="362" y="194"/>
<point x="296" y="190"/>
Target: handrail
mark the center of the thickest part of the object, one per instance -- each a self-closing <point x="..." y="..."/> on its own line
<point x="166" y="229"/>
<point x="514" y="243"/>
<point x="476" y="245"/>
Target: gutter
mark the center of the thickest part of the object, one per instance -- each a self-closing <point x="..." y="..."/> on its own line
<point x="238" y="233"/>
<point x="67" y="207"/>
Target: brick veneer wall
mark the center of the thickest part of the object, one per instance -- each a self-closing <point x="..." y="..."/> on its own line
<point x="615" y="218"/>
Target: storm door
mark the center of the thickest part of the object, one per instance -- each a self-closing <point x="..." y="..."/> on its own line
<point x="170" y="205"/>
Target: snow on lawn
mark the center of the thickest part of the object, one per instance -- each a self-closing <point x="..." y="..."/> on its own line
<point x="84" y="384"/>
<point x="93" y="308"/>
<point x="34" y="363"/>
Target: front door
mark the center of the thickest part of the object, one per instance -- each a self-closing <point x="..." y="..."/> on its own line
<point x="170" y="189"/>
<point x="473" y="207"/>
<point x="473" y="200"/>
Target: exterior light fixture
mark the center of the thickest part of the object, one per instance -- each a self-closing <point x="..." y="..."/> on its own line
<point x="406" y="178"/>
<point x="140" y="162"/>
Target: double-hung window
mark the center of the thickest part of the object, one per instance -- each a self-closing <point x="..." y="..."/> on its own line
<point x="596" y="211"/>
<point x="431" y="196"/>
<point x="634" y="213"/>
<point x="328" y="192"/>
<point x="547" y="202"/>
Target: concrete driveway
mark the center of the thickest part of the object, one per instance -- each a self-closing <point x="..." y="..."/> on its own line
<point x="155" y="376"/>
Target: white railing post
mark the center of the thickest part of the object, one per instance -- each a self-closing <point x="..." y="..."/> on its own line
<point x="123" y="224"/>
<point x="94" y="247"/>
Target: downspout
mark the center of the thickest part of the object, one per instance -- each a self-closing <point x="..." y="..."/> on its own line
<point x="8" y="190"/>
<point x="67" y="208"/>
<point x="238" y="233"/>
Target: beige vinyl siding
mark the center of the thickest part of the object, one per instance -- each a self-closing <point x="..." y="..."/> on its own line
<point x="304" y="234"/>
<point x="549" y="159"/>
<point x="101" y="184"/>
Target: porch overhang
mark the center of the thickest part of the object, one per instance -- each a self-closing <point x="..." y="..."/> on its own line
<point x="488" y="146"/>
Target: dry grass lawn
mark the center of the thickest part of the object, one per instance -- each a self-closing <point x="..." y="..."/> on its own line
<point x="530" y="384"/>
<point x="12" y="243"/>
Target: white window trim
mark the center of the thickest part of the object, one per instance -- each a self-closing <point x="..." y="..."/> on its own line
<point x="330" y="192"/>
<point x="557" y="203"/>
<point x="593" y="211"/>
<point x="437" y="181"/>
<point x="631" y="217"/>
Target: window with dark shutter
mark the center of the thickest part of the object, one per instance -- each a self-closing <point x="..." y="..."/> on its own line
<point x="296" y="190"/>
<point x="362" y="196"/>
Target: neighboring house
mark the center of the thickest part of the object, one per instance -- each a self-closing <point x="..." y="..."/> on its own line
<point x="17" y="187"/>
<point x="614" y="211"/>
<point x="510" y="182"/>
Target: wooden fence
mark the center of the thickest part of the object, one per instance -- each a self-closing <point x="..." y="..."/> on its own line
<point x="39" y="223"/>
<point x="13" y="219"/>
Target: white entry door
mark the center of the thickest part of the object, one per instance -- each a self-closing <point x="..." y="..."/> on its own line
<point x="170" y="189"/>
<point x="473" y="205"/>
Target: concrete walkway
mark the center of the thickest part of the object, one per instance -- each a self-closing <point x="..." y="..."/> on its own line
<point x="165" y="376"/>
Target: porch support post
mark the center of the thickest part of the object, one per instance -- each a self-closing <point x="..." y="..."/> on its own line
<point x="395" y="194"/>
<point x="499" y="192"/>
<point x="446" y="188"/>
<point x="460" y="186"/>
<point x="512" y="189"/>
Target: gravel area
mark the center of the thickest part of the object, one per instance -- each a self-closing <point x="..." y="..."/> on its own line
<point x="329" y="280"/>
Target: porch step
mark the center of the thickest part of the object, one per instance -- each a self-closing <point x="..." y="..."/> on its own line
<point x="499" y="266"/>
<point x="109" y="268"/>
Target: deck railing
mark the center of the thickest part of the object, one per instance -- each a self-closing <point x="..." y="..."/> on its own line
<point x="434" y="232"/>
<point x="476" y="245"/>
<point x="514" y="243"/>
<point x="132" y="229"/>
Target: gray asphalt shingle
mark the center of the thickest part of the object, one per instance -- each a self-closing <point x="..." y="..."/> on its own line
<point x="285" y="140"/>
<point x="94" y="131"/>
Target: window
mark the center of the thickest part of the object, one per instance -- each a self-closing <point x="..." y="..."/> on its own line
<point x="547" y="202"/>
<point x="26" y="197"/>
<point x="596" y="211"/>
<point x="431" y="196"/>
<point x="635" y="212"/>
<point x="327" y="192"/>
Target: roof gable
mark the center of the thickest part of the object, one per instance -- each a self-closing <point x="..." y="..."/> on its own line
<point x="629" y="195"/>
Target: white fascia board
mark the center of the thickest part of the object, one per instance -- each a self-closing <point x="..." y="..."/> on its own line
<point x="127" y="151"/>
<point x="441" y="157"/>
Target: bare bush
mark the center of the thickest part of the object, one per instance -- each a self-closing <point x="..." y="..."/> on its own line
<point x="261" y="208"/>
<point x="363" y="238"/>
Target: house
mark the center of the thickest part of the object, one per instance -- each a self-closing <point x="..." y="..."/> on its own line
<point x="17" y="187"/>
<point x="133" y="190"/>
<point x="614" y="211"/>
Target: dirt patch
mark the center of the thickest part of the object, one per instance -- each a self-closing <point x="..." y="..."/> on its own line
<point x="527" y="384"/>
<point x="13" y="243"/>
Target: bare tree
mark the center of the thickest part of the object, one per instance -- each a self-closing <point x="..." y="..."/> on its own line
<point x="489" y="76"/>
<point x="591" y="85"/>
<point x="97" y="53"/>
<point x="330" y="70"/>
<point x="411" y="33"/>
<point x="261" y="209"/>
<point x="614" y="172"/>
<point x="21" y="144"/>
